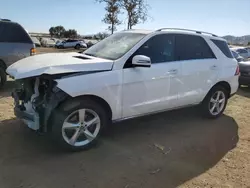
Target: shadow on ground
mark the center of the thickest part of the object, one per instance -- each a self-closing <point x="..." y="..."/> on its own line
<point x="163" y="150"/>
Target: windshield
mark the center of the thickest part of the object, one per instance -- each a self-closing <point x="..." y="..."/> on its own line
<point x="115" y="46"/>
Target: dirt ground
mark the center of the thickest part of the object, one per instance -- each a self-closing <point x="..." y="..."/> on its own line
<point x="167" y="150"/>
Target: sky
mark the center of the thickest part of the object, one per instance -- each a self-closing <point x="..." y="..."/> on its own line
<point x="221" y="17"/>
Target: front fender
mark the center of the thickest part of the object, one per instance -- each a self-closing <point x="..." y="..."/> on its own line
<point x="106" y="85"/>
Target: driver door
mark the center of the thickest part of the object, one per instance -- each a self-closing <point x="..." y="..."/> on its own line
<point x="155" y="88"/>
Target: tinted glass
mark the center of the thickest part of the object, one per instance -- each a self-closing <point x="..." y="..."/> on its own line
<point x="192" y="47"/>
<point x="12" y="32"/>
<point x="159" y="48"/>
<point x="241" y="51"/>
<point x="222" y="45"/>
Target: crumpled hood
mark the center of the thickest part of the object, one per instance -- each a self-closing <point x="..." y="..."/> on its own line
<point x="57" y="63"/>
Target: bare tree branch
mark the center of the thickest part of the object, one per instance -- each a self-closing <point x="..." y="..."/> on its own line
<point x="137" y="11"/>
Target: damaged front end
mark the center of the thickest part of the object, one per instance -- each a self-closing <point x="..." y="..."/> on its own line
<point x="35" y="99"/>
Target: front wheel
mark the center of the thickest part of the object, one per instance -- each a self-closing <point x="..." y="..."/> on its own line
<point x="77" y="124"/>
<point x="215" y="102"/>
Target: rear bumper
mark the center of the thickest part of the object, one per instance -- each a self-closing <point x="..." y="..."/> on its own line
<point x="244" y="80"/>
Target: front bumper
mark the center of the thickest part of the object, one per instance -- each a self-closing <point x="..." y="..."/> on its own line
<point x="30" y="118"/>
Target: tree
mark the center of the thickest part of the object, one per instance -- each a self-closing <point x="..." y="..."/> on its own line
<point x="101" y="35"/>
<point x="248" y="43"/>
<point x="111" y="17"/>
<point x="71" y="33"/>
<point x="57" y="31"/>
<point x="137" y="11"/>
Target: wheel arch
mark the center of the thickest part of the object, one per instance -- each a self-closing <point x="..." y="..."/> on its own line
<point x="74" y="100"/>
<point x="101" y="101"/>
<point x="224" y="84"/>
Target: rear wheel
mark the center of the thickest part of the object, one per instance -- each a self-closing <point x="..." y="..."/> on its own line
<point x="77" y="124"/>
<point x="215" y="102"/>
<point x="3" y="77"/>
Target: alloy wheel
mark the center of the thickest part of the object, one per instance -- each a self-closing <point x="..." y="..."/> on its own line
<point x="81" y="127"/>
<point x="217" y="102"/>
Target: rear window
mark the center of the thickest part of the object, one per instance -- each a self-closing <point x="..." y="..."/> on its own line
<point x="12" y="32"/>
<point x="222" y="45"/>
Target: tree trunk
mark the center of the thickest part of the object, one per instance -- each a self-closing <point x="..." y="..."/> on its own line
<point x="129" y="21"/>
<point x="112" y="28"/>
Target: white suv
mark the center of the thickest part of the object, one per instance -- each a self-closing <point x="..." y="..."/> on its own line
<point x="129" y="74"/>
<point x="70" y="43"/>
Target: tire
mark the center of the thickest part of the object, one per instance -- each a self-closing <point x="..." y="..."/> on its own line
<point x="3" y="77"/>
<point x="208" y="103"/>
<point x="68" y="113"/>
<point x="78" y="46"/>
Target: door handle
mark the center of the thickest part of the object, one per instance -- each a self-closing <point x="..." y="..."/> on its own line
<point x="213" y="67"/>
<point x="173" y="71"/>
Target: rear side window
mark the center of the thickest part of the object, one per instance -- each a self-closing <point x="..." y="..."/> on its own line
<point x="222" y="45"/>
<point x="192" y="47"/>
<point x="12" y="32"/>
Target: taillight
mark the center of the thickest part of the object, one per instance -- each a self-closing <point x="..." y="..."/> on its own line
<point x="237" y="72"/>
<point x="32" y="51"/>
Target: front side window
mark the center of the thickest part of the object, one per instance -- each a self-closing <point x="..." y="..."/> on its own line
<point x="159" y="48"/>
<point x="190" y="47"/>
<point x="114" y="46"/>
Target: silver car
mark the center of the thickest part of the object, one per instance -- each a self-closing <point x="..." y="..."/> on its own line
<point x="15" y="44"/>
<point x="243" y="52"/>
<point x="71" y="43"/>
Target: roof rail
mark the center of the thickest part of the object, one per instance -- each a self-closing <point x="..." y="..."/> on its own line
<point x="198" y="32"/>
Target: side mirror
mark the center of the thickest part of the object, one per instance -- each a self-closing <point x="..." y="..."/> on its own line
<point x="141" y="61"/>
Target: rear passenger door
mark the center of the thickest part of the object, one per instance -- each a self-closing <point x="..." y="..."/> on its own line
<point x="199" y="68"/>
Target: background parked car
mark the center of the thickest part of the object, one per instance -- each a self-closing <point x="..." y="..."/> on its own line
<point x="237" y="56"/>
<point x="47" y="42"/>
<point x="244" y="78"/>
<point x="15" y="44"/>
<point x="242" y="52"/>
<point x="248" y="50"/>
<point x="71" y="43"/>
<point x="36" y="41"/>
